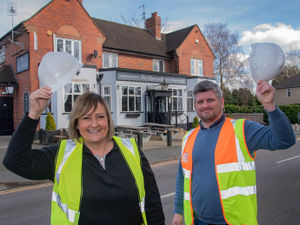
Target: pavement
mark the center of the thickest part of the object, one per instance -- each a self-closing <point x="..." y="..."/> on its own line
<point x="156" y="151"/>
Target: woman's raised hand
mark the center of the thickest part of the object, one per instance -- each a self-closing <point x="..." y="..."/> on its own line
<point x="39" y="101"/>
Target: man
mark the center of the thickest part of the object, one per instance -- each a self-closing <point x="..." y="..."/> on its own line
<point x="216" y="175"/>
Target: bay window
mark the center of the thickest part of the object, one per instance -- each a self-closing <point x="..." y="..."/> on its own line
<point x="131" y="99"/>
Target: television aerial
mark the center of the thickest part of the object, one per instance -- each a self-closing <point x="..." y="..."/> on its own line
<point x="12" y="11"/>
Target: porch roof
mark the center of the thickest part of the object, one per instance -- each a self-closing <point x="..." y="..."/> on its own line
<point x="7" y="75"/>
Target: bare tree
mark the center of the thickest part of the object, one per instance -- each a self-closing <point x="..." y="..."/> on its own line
<point x="291" y="67"/>
<point x="224" y="45"/>
<point x="134" y="20"/>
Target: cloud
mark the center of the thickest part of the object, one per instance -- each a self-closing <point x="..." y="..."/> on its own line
<point x="284" y="35"/>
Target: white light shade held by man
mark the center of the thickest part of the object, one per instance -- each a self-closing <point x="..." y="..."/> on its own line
<point x="266" y="61"/>
<point x="57" y="69"/>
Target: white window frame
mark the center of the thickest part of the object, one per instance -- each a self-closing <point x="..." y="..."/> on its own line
<point x="72" y="93"/>
<point x="2" y="54"/>
<point x="137" y="94"/>
<point x="288" y="93"/>
<point x="112" y="60"/>
<point x="107" y="96"/>
<point x="190" y="101"/>
<point x="73" y="42"/>
<point x="196" y="67"/>
<point x="156" y="65"/>
<point x="177" y="100"/>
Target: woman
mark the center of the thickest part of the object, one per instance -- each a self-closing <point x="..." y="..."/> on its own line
<point x="98" y="178"/>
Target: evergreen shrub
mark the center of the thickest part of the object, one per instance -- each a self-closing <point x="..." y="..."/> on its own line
<point x="50" y="122"/>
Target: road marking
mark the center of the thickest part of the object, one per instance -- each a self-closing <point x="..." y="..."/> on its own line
<point x="167" y="195"/>
<point x="25" y="188"/>
<point x="288" y="159"/>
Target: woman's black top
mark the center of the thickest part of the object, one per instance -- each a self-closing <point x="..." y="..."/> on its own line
<point x="110" y="196"/>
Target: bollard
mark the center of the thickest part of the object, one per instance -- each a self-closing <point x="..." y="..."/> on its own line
<point x="140" y="140"/>
<point x="169" y="138"/>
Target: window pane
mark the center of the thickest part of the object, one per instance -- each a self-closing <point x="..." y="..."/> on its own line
<point x="75" y="97"/>
<point x="155" y="65"/>
<point x="200" y="67"/>
<point x="105" y="60"/>
<point x="179" y="92"/>
<point x="161" y="66"/>
<point x="77" y="88"/>
<point x="69" y="46"/>
<point x="85" y="87"/>
<point x="68" y="88"/>
<point x="107" y="100"/>
<point x="131" y="103"/>
<point x="190" y="105"/>
<point x="174" y="92"/>
<point x="193" y="66"/>
<point x="138" y="104"/>
<point x="114" y="60"/>
<point x="138" y="90"/>
<point x="76" y="50"/>
<point x="60" y="45"/>
<point x="131" y="90"/>
<point x="124" y="103"/>
<point x="124" y="90"/>
<point x="68" y="103"/>
<point x="106" y="90"/>
<point x="190" y="94"/>
<point x="179" y="103"/>
<point x="174" y="103"/>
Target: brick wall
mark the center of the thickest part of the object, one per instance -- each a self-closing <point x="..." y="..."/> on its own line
<point x="190" y="49"/>
<point x="66" y="19"/>
<point x="142" y="63"/>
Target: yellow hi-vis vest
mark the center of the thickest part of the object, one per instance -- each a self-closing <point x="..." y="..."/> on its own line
<point x="67" y="188"/>
<point x="235" y="172"/>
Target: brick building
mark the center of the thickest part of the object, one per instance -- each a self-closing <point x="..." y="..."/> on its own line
<point x="144" y="75"/>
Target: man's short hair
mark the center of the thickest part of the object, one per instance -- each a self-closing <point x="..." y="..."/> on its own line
<point x="207" y="85"/>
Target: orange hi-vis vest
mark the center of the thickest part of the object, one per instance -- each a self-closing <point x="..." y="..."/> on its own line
<point x="235" y="172"/>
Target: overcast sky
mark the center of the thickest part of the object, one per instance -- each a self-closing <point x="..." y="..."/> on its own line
<point x="253" y="20"/>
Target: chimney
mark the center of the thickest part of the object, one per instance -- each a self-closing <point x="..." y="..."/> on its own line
<point x="153" y="24"/>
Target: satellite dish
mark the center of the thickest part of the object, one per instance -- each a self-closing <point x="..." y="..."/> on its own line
<point x="57" y="69"/>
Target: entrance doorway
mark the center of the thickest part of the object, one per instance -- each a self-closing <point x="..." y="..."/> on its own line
<point x="6" y="116"/>
<point x="157" y="103"/>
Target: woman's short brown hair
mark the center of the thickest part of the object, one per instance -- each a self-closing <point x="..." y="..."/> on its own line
<point x="83" y="104"/>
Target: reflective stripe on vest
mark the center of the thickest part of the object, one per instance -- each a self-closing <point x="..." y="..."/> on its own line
<point x="63" y="210"/>
<point x="235" y="172"/>
<point x="134" y="164"/>
<point x="187" y="162"/>
<point x="66" y="201"/>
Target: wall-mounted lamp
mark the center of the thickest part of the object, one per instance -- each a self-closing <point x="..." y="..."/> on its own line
<point x="99" y="77"/>
<point x="94" y="54"/>
<point x="118" y="86"/>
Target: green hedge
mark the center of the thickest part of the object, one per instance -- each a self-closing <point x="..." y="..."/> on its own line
<point x="243" y="109"/>
<point x="290" y="110"/>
